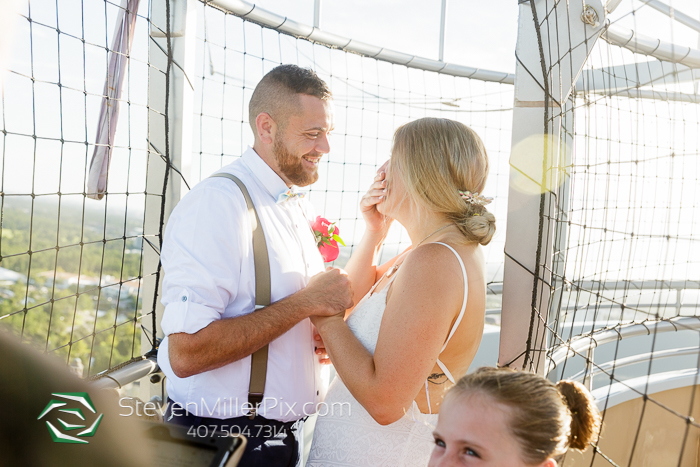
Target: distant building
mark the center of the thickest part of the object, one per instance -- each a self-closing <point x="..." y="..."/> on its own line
<point x="7" y="275"/>
<point x="77" y="367"/>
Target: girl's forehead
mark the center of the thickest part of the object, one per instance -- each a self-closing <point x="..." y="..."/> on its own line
<point x="478" y="421"/>
<point x="483" y="401"/>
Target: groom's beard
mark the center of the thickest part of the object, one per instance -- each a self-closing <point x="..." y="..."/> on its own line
<point x="292" y="166"/>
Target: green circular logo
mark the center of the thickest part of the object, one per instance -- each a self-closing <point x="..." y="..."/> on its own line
<point x="57" y="434"/>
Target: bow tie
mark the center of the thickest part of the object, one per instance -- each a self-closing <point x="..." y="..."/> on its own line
<point x="290" y="194"/>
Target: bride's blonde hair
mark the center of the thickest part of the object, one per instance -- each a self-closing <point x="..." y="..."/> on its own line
<point x="435" y="159"/>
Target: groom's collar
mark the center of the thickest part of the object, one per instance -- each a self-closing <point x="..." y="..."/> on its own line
<point x="273" y="184"/>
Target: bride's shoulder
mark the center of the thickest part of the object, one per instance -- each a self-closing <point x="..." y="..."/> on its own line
<point x="434" y="262"/>
<point x="445" y="258"/>
<point x="384" y="267"/>
<point x="430" y="276"/>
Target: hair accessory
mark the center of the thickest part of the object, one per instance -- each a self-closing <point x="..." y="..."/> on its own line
<point x="474" y="198"/>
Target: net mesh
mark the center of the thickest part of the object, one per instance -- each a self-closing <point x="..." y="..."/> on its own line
<point x="371" y="98"/>
<point x="75" y="270"/>
<point x="623" y="280"/>
<point x="73" y="275"/>
<point x="617" y="304"/>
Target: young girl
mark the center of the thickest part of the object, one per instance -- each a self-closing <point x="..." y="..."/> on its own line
<point x="501" y="417"/>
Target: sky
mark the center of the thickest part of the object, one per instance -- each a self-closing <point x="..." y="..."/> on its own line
<point x="480" y="34"/>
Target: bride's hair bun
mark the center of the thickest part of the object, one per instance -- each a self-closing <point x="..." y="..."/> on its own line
<point x="477" y="224"/>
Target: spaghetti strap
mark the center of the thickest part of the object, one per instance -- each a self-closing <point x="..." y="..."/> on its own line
<point x="444" y="369"/>
<point x="442" y="366"/>
<point x="464" y="302"/>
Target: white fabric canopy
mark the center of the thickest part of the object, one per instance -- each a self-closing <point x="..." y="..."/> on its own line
<point x="109" y="113"/>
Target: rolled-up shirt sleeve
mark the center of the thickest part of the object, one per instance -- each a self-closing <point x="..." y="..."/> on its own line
<point x="203" y="248"/>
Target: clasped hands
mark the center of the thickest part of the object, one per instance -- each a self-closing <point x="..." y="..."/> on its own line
<point x="328" y="295"/>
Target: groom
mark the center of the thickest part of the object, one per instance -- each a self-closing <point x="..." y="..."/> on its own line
<point x="209" y="287"/>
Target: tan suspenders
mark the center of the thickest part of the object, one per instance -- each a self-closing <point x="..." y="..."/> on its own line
<point x="258" y="364"/>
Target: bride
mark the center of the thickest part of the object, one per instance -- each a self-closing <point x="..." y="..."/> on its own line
<point x="420" y="319"/>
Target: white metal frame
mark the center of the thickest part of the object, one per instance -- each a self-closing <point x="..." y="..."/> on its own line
<point x="621" y="79"/>
<point x="585" y="346"/>
<point x="589" y="373"/>
<point x="523" y="210"/>
<point x="180" y="112"/>
<point x="538" y="162"/>
<point x="618" y="393"/>
<point x="673" y="13"/>
<point x="666" y="52"/>
<point x="317" y="14"/>
<point x="256" y="14"/>
<point x="443" y="20"/>
<point x="582" y="344"/>
<point x="132" y="372"/>
<point x="656" y="48"/>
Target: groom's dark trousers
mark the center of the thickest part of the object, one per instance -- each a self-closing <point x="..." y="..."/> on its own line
<point x="271" y="443"/>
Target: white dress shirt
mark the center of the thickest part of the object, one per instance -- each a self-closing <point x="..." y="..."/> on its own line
<point x="207" y="257"/>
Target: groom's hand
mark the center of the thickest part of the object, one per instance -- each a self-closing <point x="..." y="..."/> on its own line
<point x="328" y="293"/>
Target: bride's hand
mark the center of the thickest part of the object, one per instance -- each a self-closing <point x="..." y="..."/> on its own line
<point x="375" y="220"/>
<point x="320" y="349"/>
<point x="320" y="321"/>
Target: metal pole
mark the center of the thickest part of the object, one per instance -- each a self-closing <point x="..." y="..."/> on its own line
<point x="538" y="170"/>
<point x="612" y="5"/>
<point x="317" y="14"/>
<point x="674" y="14"/>
<point x="443" y="16"/>
<point x="183" y="23"/>
<point x="661" y="50"/>
<point x="697" y="81"/>
<point x="129" y="373"/>
<point x="266" y="18"/>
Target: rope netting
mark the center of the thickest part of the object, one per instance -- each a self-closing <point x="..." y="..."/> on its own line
<point x="75" y="269"/>
<point x="80" y="275"/>
<point x="617" y="304"/>
<point x="371" y="99"/>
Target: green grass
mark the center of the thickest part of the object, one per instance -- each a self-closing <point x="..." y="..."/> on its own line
<point x="99" y="325"/>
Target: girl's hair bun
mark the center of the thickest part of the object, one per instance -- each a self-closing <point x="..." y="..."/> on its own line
<point x="585" y="417"/>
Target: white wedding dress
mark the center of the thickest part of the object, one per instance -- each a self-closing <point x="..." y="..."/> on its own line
<point x="348" y="435"/>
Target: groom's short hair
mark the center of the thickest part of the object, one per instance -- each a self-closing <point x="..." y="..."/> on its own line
<point x="276" y="93"/>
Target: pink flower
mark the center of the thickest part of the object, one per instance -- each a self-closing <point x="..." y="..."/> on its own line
<point x="321" y="225"/>
<point x="329" y="251"/>
<point x="327" y="238"/>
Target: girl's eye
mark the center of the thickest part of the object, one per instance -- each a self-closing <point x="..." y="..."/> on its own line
<point x="439" y="442"/>
<point x="471" y="453"/>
